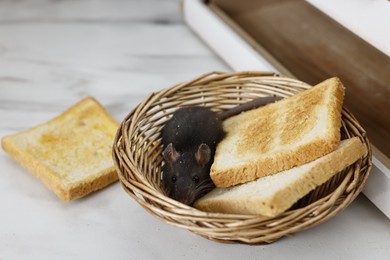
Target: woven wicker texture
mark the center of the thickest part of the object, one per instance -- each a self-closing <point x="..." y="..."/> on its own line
<point x="138" y="160"/>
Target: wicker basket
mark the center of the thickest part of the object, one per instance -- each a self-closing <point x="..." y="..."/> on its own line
<point x="137" y="157"/>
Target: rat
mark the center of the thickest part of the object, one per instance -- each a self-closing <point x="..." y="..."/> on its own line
<point x="190" y="138"/>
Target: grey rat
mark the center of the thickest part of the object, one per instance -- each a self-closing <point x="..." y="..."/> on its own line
<point x="190" y="138"/>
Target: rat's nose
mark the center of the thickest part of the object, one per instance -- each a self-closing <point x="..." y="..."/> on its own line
<point x="188" y="200"/>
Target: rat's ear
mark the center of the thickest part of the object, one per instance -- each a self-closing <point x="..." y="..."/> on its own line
<point x="203" y="154"/>
<point x="170" y="154"/>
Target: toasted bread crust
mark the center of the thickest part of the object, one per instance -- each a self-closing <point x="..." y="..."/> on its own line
<point x="45" y="149"/>
<point x="282" y="196"/>
<point x="273" y="138"/>
<point x="252" y="170"/>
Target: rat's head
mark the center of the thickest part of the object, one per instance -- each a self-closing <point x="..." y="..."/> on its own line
<point x="186" y="175"/>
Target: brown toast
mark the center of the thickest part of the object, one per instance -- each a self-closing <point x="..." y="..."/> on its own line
<point x="70" y="154"/>
<point x="272" y="195"/>
<point x="279" y="136"/>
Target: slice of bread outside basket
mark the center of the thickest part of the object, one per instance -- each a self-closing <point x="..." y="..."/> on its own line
<point x="71" y="153"/>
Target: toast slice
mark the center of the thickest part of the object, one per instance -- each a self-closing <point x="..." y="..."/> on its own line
<point x="272" y="195"/>
<point x="70" y="154"/>
<point x="280" y="135"/>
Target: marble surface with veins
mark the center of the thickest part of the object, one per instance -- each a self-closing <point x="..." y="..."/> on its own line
<point x="54" y="53"/>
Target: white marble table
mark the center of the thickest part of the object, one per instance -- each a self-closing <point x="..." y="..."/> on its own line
<point x="52" y="54"/>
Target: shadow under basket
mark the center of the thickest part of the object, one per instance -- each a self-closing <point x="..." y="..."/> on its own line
<point x="138" y="160"/>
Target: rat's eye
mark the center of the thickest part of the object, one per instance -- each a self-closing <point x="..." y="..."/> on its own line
<point x="195" y="179"/>
<point x="173" y="179"/>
